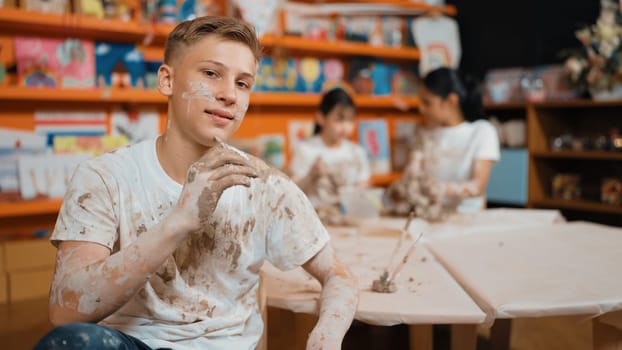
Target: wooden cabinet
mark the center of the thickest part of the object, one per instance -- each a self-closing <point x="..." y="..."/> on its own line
<point x="581" y="119"/>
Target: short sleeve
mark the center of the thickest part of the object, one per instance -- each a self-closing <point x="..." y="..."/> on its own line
<point x="487" y="141"/>
<point x="294" y="233"/>
<point x="302" y="160"/>
<point x="87" y="211"/>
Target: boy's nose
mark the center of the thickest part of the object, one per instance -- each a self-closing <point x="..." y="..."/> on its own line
<point x="227" y="93"/>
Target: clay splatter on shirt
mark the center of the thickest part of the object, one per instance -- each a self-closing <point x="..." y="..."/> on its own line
<point x="82" y="198"/>
<point x="141" y="229"/>
<point x="234" y="251"/>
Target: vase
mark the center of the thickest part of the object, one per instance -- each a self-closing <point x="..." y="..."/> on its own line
<point x="615" y="93"/>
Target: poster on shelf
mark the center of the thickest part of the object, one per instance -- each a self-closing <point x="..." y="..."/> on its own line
<point x="438" y="39"/>
<point x="374" y="138"/>
<point x="136" y="126"/>
<point x="13" y="144"/>
<point x="272" y="149"/>
<point x="46" y="175"/>
<point x="45" y="62"/>
<point x="299" y="130"/>
<point x="69" y="123"/>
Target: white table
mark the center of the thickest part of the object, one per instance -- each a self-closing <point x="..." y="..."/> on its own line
<point x="426" y="293"/>
<point x="547" y="270"/>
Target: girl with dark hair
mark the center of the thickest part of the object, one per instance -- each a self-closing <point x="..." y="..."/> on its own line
<point x="329" y="155"/>
<point x="457" y="147"/>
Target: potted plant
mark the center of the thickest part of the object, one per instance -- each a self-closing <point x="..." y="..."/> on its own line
<point x="597" y="66"/>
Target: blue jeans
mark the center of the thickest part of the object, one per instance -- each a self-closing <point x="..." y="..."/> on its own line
<point x="88" y="336"/>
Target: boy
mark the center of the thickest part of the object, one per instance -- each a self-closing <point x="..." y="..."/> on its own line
<point x="161" y="243"/>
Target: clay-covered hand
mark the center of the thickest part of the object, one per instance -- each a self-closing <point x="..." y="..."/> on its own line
<point x="220" y="168"/>
<point x="318" y="169"/>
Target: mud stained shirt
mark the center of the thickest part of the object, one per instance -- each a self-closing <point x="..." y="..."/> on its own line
<point x="347" y="159"/>
<point x="204" y="295"/>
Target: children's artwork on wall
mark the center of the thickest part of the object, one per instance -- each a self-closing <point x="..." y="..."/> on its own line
<point x="404" y="82"/>
<point x="261" y="13"/>
<point x="374" y="138"/>
<point x="191" y="9"/>
<point x="360" y="77"/>
<point x="46" y="175"/>
<point x="90" y="145"/>
<point x="167" y="11"/>
<point x="151" y="73"/>
<point x="13" y="144"/>
<point x="119" y="65"/>
<point x="7" y="57"/>
<point x="310" y="75"/>
<point x="54" y="62"/>
<point x="135" y="125"/>
<point x="438" y="40"/>
<point x="299" y="130"/>
<point x="92" y="8"/>
<point x="69" y="123"/>
<point x="48" y="6"/>
<point x="333" y="74"/>
<point x="276" y="74"/>
<point x="272" y="149"/>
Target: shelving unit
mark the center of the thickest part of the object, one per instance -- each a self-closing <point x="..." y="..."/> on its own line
<point x="581" y="118"/>
<point x="269" y="112"/>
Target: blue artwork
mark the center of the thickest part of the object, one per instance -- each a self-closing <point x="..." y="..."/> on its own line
<point x="109" y="55"/>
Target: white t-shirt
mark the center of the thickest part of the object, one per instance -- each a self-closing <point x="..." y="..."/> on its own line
<point x="449" y="153"/>
<point x="204" y="295"/>
<point x="348" y="159"/>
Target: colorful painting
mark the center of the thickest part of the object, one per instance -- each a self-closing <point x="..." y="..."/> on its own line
<point x="43" y="62"/>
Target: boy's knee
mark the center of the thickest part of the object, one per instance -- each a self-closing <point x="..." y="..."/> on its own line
<point x="80" y="336"/>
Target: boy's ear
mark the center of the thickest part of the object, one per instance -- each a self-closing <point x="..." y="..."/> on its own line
<point x="165" y="80"/>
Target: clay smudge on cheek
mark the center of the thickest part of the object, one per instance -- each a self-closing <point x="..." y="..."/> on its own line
<point x="240" y="114"/>
<point x="198" y="91"/>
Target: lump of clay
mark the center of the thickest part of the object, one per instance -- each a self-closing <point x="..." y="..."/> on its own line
<point x="416" y="191"/>
<point x="383" y="285"/>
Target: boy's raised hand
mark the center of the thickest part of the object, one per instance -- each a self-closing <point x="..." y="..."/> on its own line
<point x="220" y="168"/>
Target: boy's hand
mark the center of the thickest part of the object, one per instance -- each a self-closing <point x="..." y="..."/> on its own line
<point x="220" y="168"/>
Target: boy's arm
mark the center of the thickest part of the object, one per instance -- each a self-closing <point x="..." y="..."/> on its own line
<point x="338" y="301"/>
<point x="89" y="284"/>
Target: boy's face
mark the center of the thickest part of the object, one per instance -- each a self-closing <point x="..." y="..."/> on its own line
<point x="210" y="84"/>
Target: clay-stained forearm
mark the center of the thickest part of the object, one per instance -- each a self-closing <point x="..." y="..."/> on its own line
<point x="89" y="284"/>
<point x="338" y="301"/>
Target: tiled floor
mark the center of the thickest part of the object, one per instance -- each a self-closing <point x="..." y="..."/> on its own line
<point x="21" y="325"/>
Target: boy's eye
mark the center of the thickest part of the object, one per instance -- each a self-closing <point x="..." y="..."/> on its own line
<point x="209" y="73"/>
<point x="243" y="84"/>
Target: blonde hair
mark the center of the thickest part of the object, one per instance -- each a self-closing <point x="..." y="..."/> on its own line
<point x="188" y="32"/>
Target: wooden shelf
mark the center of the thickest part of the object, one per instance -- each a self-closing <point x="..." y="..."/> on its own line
<point x="24" y="22"/>
<point x="338" y="48"/>
<point x="405" y="4"/>
<point x="26" y="94"/>
<point x="312" y="100"/>
<point x="385" y="179"/>
<point x="593" y="155"/>
<point x="581" y="205"/>
<point x="29" y="207"/>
